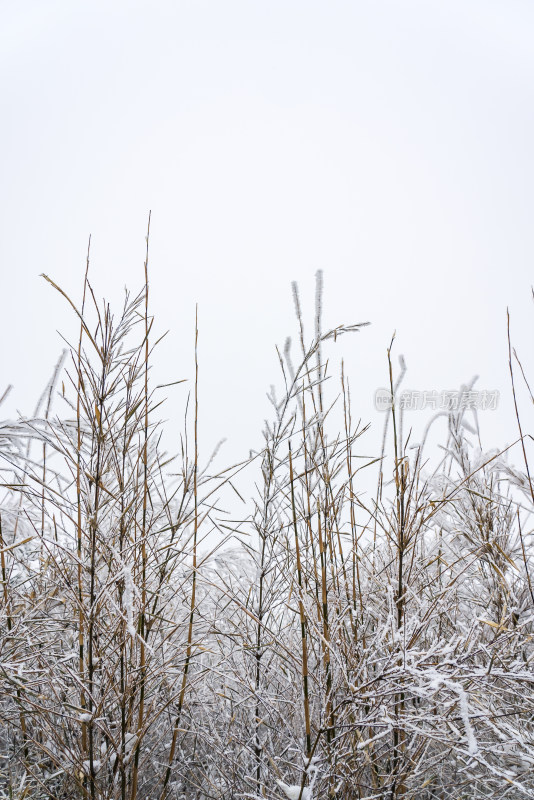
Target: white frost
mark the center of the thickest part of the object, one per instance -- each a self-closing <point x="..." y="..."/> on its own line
<point x="293" y="792"/>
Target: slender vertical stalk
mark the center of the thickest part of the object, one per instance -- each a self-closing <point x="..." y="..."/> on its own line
<point x="189" y="650"/>
<point x="257" y="682"/>
<point x="144" y="533"/>
<point x="516" y="408"/>
<point x="356" y="582"/>
<point x="302" y="614"/>
<point x="79" y="533"/>
<point x="400" y="486"/>
<point x="326" y="629"/>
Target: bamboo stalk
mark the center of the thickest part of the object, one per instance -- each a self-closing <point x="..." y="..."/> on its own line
<point x="189" y="649"/>
<point x="302" y="614"/>
<point x="144" y="533"/>
<point x="79" y="533"/>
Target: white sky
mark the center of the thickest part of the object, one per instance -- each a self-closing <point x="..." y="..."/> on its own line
<point x="388" y="143"/>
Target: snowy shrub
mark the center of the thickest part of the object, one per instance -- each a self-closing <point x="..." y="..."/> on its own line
<point x="339" y="647"/>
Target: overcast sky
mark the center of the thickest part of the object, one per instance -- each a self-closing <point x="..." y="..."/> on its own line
<point x="387" y="143"/>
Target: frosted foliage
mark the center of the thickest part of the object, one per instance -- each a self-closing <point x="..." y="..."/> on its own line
<point x="165" y="635"/>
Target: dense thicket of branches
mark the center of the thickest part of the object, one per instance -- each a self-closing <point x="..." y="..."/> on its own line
<point x="340" y="647"/>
